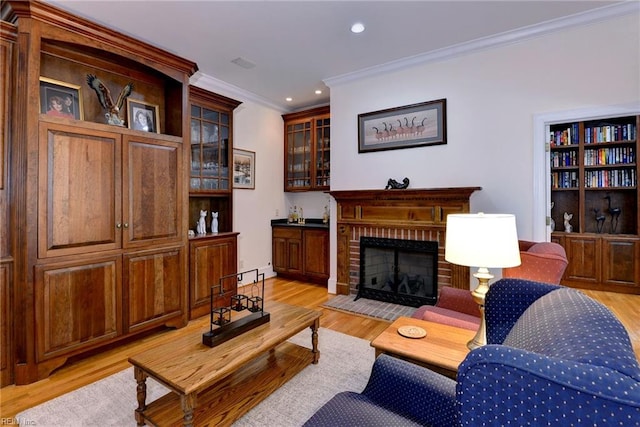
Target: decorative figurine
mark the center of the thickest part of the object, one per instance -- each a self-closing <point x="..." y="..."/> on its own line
<point x="104" y="96"/>
<point x="552" y="223"/>
<point x="214" y="222"/>
<point x="202" y="225"/>
<point x="568" y="228"/>
<point x="395" y="185"/>
<point x="615" y="214"/>
<point x="599" y="219"/>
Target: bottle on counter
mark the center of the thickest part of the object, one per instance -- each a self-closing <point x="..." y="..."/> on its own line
<point x="290" y="216"/>
<point x="325" y="215"/>
<point x="295" y="214"/>
<point x="301" y="216"/>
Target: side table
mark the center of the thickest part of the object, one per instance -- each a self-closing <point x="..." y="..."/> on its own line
<point x="441" y="350"/>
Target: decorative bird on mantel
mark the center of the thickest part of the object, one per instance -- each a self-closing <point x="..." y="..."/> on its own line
<point x="104" y="96"/>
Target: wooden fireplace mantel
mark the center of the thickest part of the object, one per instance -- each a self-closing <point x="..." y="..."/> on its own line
<point x="419" y="214"/>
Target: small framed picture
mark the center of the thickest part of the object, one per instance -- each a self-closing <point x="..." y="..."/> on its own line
<point x="60" y="99"/>
<point x="244" y="169"/>
<point x="143" y="116"/>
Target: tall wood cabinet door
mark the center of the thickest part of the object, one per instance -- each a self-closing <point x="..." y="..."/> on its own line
<point x="621" y="262"/>
<point x="584" y="255"/>
<point x="155" y="289"/>
<point x="79" y="200"/>
<point x="316" y="253"/>
<point x="210" y="260"/>
<point x="77" y="305"/>
<point x="152" y="179"/>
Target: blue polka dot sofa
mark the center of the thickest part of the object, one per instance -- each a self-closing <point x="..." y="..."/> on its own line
<point x="555" y="357"/>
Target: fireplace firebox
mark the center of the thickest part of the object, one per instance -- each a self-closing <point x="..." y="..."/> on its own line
<point x="398" y="271"/>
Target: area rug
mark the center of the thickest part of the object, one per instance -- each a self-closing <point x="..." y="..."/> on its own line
<point x="345" y="364"/>
<point x="369" y="307"/>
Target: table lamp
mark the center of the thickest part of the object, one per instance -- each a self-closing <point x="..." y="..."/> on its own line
<point x="484" y="241"/>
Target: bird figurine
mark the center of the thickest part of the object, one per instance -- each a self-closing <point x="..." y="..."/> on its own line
<point x="614" y="212"/>
<point x="104" y="96"/>
<point x="599" y="219"/>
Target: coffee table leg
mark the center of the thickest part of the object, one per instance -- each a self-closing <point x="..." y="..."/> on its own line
<point x="314" y="341"/>
<point x="141" y="393"/>
<point x="188" y="403"/>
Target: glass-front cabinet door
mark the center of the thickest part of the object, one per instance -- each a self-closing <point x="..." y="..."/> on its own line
<point x="307" y="150"/>
<point x="210" y="155"/>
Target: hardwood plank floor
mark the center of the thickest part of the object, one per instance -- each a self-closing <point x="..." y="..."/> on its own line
<point x="77" y="373"/>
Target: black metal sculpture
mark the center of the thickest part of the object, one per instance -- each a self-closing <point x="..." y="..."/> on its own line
<point x="395" y="185"/>
<point x="614" y="212"/>
<point x="599" y="219"/>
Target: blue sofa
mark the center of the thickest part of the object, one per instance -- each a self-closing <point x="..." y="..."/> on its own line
<point x="554" y="357"/>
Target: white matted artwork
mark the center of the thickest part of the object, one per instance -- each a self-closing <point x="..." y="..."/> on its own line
<point x="244" y="169"/>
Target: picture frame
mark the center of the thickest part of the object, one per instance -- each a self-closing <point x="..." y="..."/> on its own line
<point x="60" y="99"/>
<point x="143" y="116"/>
<point x="414" y="125"/>
<point x="244" y="169"/>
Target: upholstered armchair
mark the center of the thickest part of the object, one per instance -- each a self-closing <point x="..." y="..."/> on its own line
<point x="455" y="307"/>
<point x="541" y="262"/>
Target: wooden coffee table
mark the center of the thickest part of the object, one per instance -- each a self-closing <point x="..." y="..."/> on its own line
<point x="216" y="386"/>
<point x="441" y="350"/>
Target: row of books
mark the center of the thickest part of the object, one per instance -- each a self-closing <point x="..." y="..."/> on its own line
<point x="611" y="178"/>
<point x="568" y="179"/>
<point x="609" y="156"/>
<point x="568" y="136"/>
<point x="610" y="133"/>
<point x="564" y="158"/>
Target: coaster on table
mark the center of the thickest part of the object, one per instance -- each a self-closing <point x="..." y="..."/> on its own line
<point x="412" y="331"/>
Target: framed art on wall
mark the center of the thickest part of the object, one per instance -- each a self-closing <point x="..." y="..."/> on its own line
<point x="409" y="126"/>
<point x="60" y="99"/>
<point x="143" y="116"/>
<point x="244" y="169"/>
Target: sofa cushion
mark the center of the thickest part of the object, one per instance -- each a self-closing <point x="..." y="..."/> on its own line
<point x="567" y="324"/>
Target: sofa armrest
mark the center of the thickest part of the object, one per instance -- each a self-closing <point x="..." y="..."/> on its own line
<point x="412" y="391"/>
<point x="562" y="390"/>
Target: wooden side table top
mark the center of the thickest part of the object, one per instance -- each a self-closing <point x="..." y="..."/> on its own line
<point x="187" y="366"/>
<point x="443" y="347"/>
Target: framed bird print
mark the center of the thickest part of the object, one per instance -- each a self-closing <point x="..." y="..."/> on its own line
<point x="143" y="116"/>
<point x="60" y="99"/>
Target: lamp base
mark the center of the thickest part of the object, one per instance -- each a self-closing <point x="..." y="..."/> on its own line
<point x="479" y="293"/>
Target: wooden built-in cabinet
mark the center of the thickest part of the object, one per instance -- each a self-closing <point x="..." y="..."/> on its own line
<point x="210" y="258"/>
<point x="307" y="150"/>
<point x="99" y="240"/>
<point x="594" y="177"/>
<point x="7" y="70"/>
<point x="301" y="252"/>
<point x="211" y="255"/>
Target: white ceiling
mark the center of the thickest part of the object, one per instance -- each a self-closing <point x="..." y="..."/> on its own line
<point x="296" y="46"/>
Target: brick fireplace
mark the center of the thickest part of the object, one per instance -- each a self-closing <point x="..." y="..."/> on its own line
<point x="412" y="214"/>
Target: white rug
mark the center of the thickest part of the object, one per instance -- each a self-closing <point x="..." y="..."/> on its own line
<point x="345" y="364"/>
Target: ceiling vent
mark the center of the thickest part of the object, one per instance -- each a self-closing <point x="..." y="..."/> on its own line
<point x="244" y="63"/>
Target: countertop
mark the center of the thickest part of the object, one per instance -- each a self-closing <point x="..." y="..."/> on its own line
<point x="309" y="223"/>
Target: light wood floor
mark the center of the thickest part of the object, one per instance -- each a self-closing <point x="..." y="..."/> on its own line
<point x="15" y="399"/>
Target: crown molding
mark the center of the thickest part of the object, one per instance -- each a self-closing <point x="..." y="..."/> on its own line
<point x="498" y="40"/>
<point x="212" y="84"/>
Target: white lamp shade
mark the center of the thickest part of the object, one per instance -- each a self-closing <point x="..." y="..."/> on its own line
<point x="482" y="240"/>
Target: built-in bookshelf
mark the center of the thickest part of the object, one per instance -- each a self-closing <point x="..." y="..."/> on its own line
<point x="594" y="181"/>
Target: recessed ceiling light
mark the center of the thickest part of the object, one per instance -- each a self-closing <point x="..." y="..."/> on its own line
<point x="318" y="91"/>
<point x="357" y="28"/>
<point x="288" y="99"/>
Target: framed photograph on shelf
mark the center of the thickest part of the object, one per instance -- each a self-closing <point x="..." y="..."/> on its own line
<point x="244" y="169"/>
<point x="410" y="126"/>
<point x="60" y="99"/>
<point x="143" y="116"/>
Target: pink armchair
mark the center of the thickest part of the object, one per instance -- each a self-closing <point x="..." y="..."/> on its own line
<point x="541" y="262"/>
<point x="455" y="307"/>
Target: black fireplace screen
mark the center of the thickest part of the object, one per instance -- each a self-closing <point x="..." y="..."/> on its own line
<point x="398" y="271"/>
